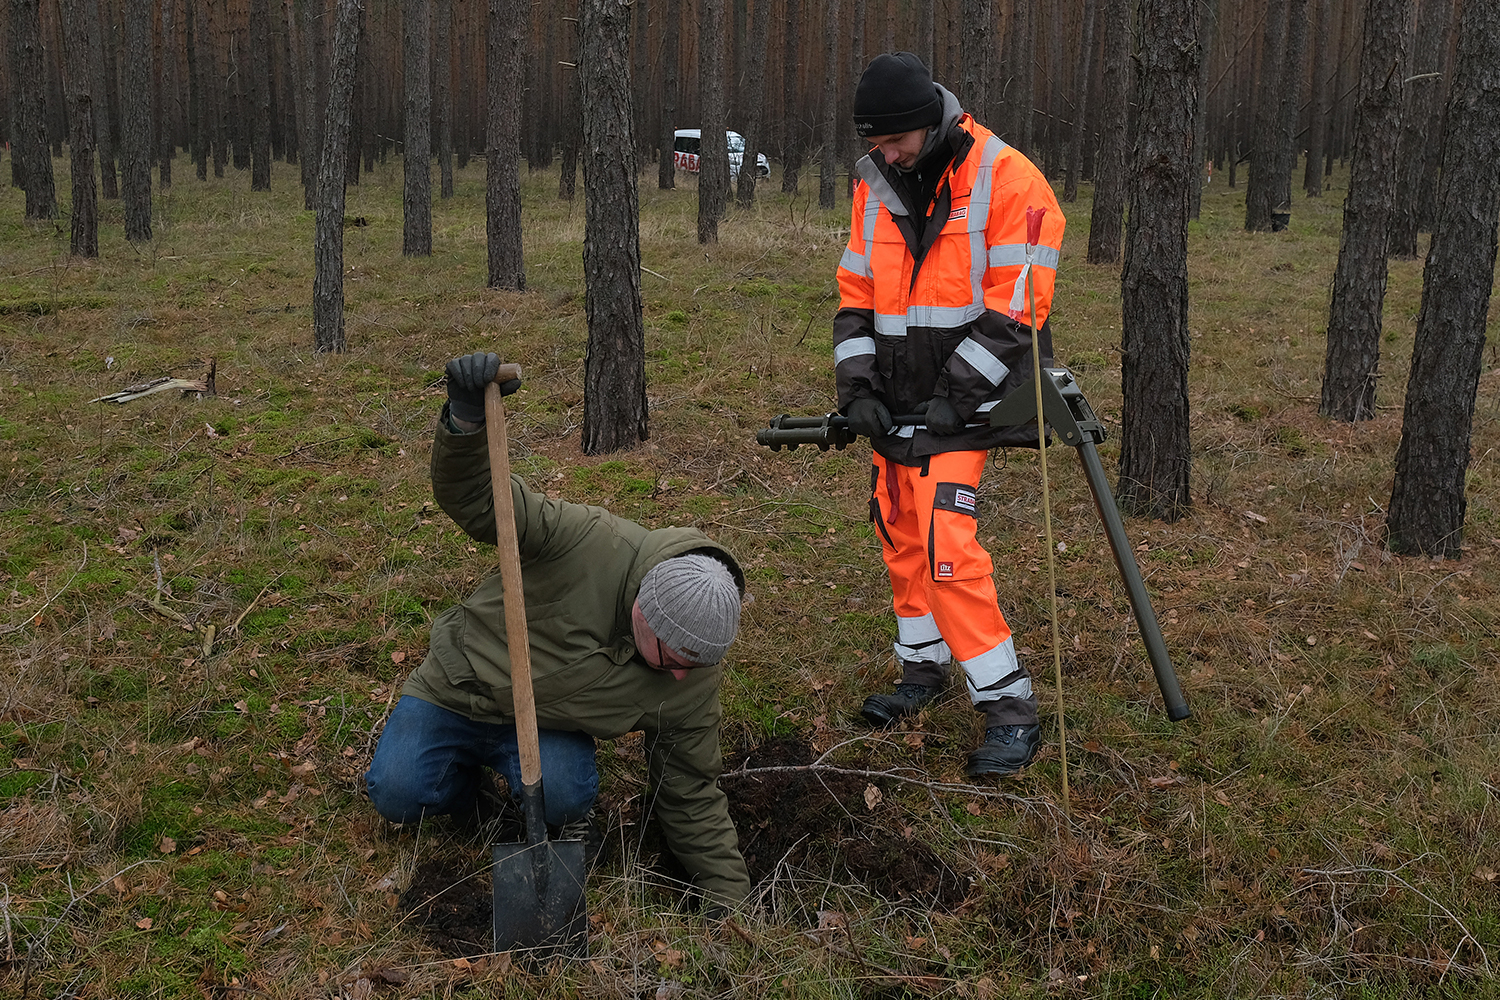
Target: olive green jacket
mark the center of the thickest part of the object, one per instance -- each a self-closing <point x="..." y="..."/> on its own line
<point x="581" y="568"/>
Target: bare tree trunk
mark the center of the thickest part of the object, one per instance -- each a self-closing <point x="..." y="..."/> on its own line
<point x="791" y="127"/>
<point x="1325" y="42"/>
<point x="1208" y="22"/>
<point x="754" y="103"/>
<point x="572" y="122"/>
<point x="1080" y="104"/>
<point x="1354" y="317"/>
<point x="614" y="406"/>
<point x="1261" y="192"/>
<point x="1419" y="124"/>
<point x="502" y="157"/>
<point x="136" y="139"/>
<point x="927" y="32"/>
<point x="166" y="96"/>
<point x="416" y="150"/>
<point x="639" y="79"/>
<point x="1432" y="462"/>
<point x="99" y="91"/>
<point x="31" y="147"/>
<point x="85" y="235"/>
<point x="1024" y="102"/>
<point x="828" y="167"/>
<point x="976" y="52"/>
<point x="1155" y="445"/>
<point x="1106" y="225"/>
<point x="666" y="164"/>
<point x="713" y="149"/>
<point x="328" y="240"/>
<point x="442" y="72"/>
<point x="260" y="95"/>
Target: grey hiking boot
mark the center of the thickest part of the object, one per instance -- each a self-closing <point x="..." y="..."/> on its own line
<point x="1005" y="750"/>
<point x="586" y="829"/>
<point x="909" y="699"/>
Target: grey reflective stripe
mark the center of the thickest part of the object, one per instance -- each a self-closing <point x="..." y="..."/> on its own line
<point x="985" y="363"/>
<point x="872" y="215"/>
<point x="994" y="666"/>
<point x="1014" y="255"/>
<point x="918" y="630"/>
<point x="987" y="407"/>
<point x="945" y="316"/>
<point x="854" y="347"/>
<point x="888" y="325"/>
<point x="979" y="218"/>
<point x="905" y="432"/>
<point x="879" y="186"/>
<point x="856" y="263"/>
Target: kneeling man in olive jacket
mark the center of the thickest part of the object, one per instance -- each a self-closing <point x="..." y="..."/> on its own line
<point x="627" y="628"/>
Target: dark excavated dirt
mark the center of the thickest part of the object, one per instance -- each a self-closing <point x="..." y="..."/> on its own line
<point x="816" y="823"/>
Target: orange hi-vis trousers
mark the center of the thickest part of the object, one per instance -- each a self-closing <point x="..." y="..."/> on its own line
<point x="941" y="577"/>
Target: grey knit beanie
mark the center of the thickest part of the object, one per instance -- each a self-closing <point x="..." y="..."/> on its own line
<point x="692" y="604"/>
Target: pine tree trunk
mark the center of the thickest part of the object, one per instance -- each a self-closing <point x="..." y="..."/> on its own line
<point x="713" y="149"/>
<point x="791" y="132"/>
<point x="1432" y="462"/>
<point x="666" y="164"/>
<point x="442" y="74"/>
<point x="640" y="77"/>
<point x="1325" y="42"/>
<point x="502" y="157"/>
<point x="1418" y="124"/>
<point x="1106" y="223"/>
<point x="572" y="121"/>
<point x="1080" y="104"/>
<point x="1262" y="191"/>
<point x="85" y="235"/>
<point x="1208" y="23"/>
<point x="416" y="165"/>
<point x="136" y="142"/>
<point x="614" y="401"/>
<point x="328" y="239"/>
<point x="754" y="104"/>
<point x="976" y="52"/>
<point x="260" y="95"/>
<point x="1291" y="101"/>
<point x="99" y="92"/>
<point x="1155" y="446"/>
<point x="31" y="146"/>
<point x="1354" y="317"/>
<point x="1024" y="104"/>
<point x="828" y="161"/>
<point x="166" y="96"/>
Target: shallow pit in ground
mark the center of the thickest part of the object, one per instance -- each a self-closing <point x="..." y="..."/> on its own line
<point x="818" y="823"/>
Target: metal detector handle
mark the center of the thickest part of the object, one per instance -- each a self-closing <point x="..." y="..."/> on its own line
<point x="830" y="431"/>
<point x="517" y="641"/>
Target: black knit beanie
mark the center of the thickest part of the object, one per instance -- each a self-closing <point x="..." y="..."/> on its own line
<point x="895" y="95"/>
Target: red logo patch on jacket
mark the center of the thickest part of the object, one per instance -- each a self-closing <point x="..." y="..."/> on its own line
<point x="945" y="569"/>
<point x="959" y="213"/>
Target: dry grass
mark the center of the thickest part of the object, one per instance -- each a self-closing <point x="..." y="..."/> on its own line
<point x="182" y="818"/>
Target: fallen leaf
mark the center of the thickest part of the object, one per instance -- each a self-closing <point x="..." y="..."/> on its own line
<point x="914" y="740"/>
<point x="360" y="989"/>
<point x="166" y="845"/>
<point x="972" y="808"/>
<point x="832" y="920"/>
<point x="873" y="797"/>
<point x="1220" y="797"/>
<point x="1259" y="520"/>
<point x="144" y="923"/>
<point x="398" y="657"/>
<point x="1164" y="780"/>
<point x="670" y="991"/>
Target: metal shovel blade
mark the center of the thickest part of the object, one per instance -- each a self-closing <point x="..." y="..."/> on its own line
<point x="539" y="898"/>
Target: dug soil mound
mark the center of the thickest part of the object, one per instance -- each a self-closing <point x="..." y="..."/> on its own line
<point x="830" y="825"/>
<point x="451" y="900"/>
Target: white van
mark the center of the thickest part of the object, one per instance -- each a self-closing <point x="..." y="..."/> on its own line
<point x="685" y="153"/>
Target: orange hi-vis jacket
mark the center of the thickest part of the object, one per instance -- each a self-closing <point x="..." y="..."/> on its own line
<point x="947" y="313"/>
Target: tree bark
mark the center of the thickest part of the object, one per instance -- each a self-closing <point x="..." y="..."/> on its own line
<point x="572" y="123"/>
<point x="442" y="73"/>
<point x="1420" y="124"/>
<point x="1354" y="317"/>
<point x="328" y="239"/>
<point x="166" y="95"/>
<point x="502" y="157"/>
<point x="85" y="233"/>
<point x="260" y="95"/>
<point x="791" y="127"/>
<point x="104" y="135"/>
<point x="136" y="142"/>
<point x="1262" y="191"/>
<point x="754" y="103"/>
<point x="713" y="149"/>
<point x="976" y="52"/>
<point x="1321" y="100"/>
<point x="1155" y="445"/>
<point x="1080" y="104"/>
<point x="828" y="161"/>
<point x="1106" y="223"/>
<point x="416" y="150"/>
<point x="666" y="164"/>
<point x="1207" y="24"/>
<point x="614" y="407"/>
<point x="31" y="146"/>
<point x="1432" y="462"/>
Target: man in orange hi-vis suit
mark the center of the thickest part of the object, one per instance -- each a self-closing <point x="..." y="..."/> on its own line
<point x="933" y="319"/>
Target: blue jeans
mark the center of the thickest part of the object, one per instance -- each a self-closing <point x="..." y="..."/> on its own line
<point x="428" y="763"/>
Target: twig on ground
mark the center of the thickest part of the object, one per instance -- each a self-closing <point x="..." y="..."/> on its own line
<point x="251" y="606"/>
<point x="16" y="628"/>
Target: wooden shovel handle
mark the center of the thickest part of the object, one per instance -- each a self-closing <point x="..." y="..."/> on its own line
<point x="516" y="639"/>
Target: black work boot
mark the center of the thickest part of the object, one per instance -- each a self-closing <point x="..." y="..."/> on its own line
<point x="909" y="699"/>
<point x="586" y="829"/>
<point x="1005" y="750"/>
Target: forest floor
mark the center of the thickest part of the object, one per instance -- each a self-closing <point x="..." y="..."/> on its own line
<point x="208" y="605"/>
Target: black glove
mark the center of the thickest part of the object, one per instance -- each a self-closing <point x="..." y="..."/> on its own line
<point x="942" y="418"/>
<point x="467" y="377"/>
<point x="869" y="417"/>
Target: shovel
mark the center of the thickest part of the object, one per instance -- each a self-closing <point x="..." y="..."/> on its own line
<point x="538" y="896"/>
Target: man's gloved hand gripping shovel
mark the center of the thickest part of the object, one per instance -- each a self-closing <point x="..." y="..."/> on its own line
<point x="539" y="897"/>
